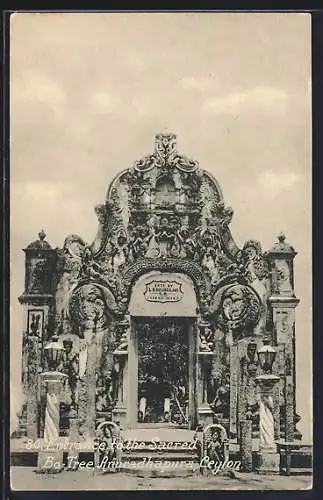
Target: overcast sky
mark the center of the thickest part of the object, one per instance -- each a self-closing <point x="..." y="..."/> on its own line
<point x="90" y="91"/>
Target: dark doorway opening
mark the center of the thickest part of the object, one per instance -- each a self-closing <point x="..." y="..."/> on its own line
<point x="165" y="371"/>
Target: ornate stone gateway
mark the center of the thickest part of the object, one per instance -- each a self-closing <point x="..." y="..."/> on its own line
<point x="162" y="315"/>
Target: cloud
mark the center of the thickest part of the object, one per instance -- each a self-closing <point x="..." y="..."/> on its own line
<point x="41" y="193"/>
<point x="36" y="205"/>
<point x="36" y="88"/>
<point x="103" y="102"/>
<point x="265" y="97"/>
<point x="272" y="184"/>
<point x="200" y="84"/>
<point x="133" y="59"/>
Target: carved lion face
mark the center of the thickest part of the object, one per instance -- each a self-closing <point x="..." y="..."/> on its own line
<point x="234" y="304"/>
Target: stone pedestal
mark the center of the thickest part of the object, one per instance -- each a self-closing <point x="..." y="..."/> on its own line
<point x="268" y="462"/>
<point x="119" y="416"/>
<point x="205" y="414"/>
<point x="268" y="458"/>
<point x="50" y="460"/>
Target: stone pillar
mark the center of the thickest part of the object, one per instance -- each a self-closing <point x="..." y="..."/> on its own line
<point x="87" y="390"/>
<point x="246" y="445"/>
<point x="130" y="379"/>
<point x="119" y="413"/>
<point x="91" y="390"/>
<point x="268" y="462"/>
<point x="282" y="305"/>
<point x="205" y="414"/>
<point x="51" y="461"/>
<point x="37" y="301"/>
<point x="33" y="356"/>
<point x="234" y="387"/>
<point x="73" y="438"/>
<point x="192" y="362"/>
<point x="242" y="382"/>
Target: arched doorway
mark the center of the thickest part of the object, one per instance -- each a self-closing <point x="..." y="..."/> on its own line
<point x="162" y="352"/>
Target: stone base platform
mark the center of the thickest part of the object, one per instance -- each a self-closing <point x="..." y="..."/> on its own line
<point x="26" y="455"/>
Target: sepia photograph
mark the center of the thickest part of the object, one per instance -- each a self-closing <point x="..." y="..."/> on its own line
<point x="160" y="251"/>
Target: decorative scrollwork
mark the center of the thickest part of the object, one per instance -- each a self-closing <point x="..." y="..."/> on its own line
<point x="220" y="215"/>
<point x="165" y="155"/>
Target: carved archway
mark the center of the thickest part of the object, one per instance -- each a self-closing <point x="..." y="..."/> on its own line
<point x="201" y="286"/>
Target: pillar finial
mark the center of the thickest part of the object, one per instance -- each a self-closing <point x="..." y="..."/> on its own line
<point x="42" y="235"/>
<point x="281" y="237"/>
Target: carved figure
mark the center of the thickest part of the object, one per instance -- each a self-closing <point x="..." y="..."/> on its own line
<point x="165" y="235"/>
<point x="221" y="389"/>
<point x="121" y="251"/>
<point x="69" y="266"/>
<point x="104" y="438"/>
<point x="139" y="240"/>
<point x="38" y="276"/>
<point x="221" y="403"/>
<point x="90" y="269"/>
<point x="34" y="325"/>
<point x="215" y="447"/>
<point x="101" y="400"/>
<point x="206" y="343"/>
<point x="282" y="274"/>
<point x="253" y="261"/>
<point x="89" y="307"/>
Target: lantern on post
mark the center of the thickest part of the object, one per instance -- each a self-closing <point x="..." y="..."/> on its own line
<point x="52" y="378"/>
<point x="268" y="456"/>
<point x="53" y="351"/>
<point x="266" y="356"/>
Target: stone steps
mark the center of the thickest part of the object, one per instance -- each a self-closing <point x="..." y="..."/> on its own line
<point x="174" y="458"/>
<point x="166" y="455"/>
<point x="164" y="473"/>
<point x="162" y="433"/>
